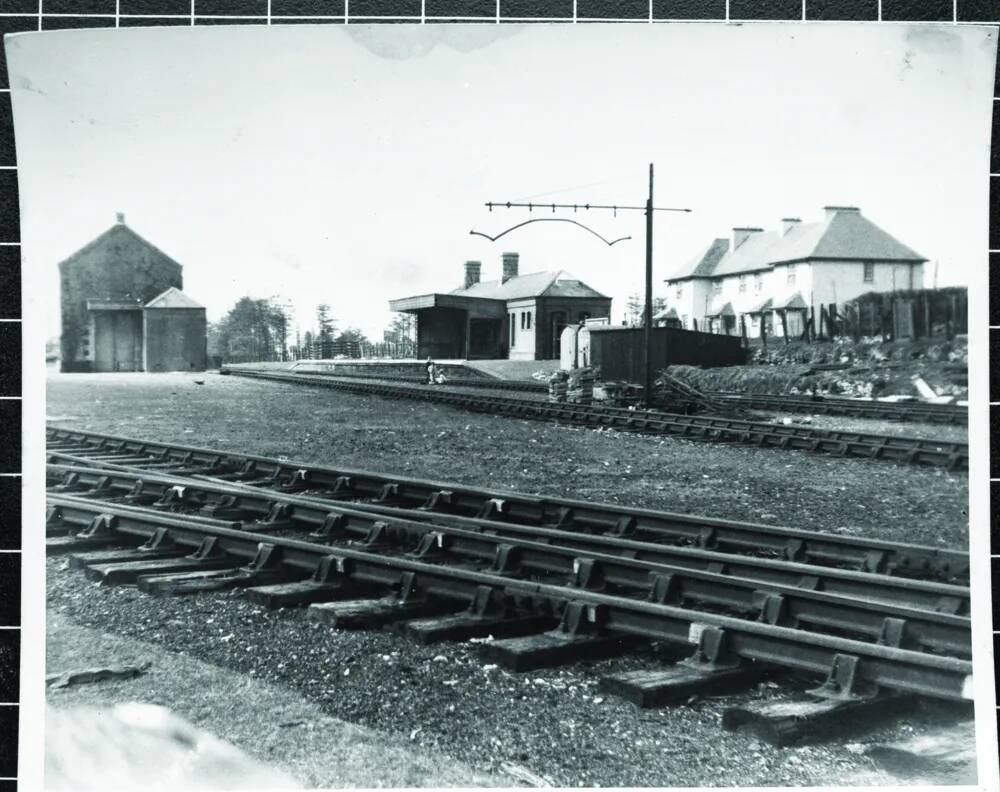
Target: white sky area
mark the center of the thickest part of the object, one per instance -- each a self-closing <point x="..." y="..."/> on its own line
<point x="347" y="165"/>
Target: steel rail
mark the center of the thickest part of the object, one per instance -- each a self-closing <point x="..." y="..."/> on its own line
<point x="862" y="408"/>
<point x="846" y="601"/>
<point x="710" y="533"/>
<point x="913" y="412"/>
<point x="882" y="665"/>
<point x="952" y="455"/>
<point x="872" y="555"/>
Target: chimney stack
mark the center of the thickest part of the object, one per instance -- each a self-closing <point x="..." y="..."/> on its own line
<point x="509" y="266"/>
<point x="120" y="218"/>
<point x="740" y="235"/>
<point x="833" y="210"/>
<point x="472" y="271"/>
<point x="788" y="223"/>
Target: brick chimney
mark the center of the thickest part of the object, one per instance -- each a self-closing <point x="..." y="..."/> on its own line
<point x="509" y="266"/>
<point x="120" y="218"/>
<point x="740" y="235"/>
<point x="472" y="271"/>
<point x="788" y="223"/>
<point x="833" y="210"/>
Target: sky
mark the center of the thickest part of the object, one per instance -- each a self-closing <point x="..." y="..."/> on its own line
<point x="347" y="164"/>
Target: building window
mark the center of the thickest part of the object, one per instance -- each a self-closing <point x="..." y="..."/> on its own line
<point x="513" y="328"/>
<point x="758" y="283"/>
<point x="522" y="320"/>
<point x="869" y="272"/>
<point x="791" y="273"/>
<point x="743" y="283"/>
<point x="680" y="292"/>
<point x="717" y="287"/>
<point x="528" y="319"/>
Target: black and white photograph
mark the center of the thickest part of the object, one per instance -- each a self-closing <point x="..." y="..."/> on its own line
<point x="477" y="405"/>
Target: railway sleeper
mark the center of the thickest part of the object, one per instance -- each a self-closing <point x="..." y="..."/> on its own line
<point x="579" y="636"/>
<point x="808" y="718"/>
<point x="491" y="613"/>
<point x="265" y="568"/>
<point x="206" y="557"/>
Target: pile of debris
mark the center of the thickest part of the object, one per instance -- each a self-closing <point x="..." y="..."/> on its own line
<point x="670" y="393"/>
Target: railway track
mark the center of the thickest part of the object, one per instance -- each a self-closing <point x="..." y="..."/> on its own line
<point x="947" y="454"/>
<point x="431" y="500"/>
<point x="910" y="412"/>
<point x="471" y="596"/>
<point x="549" y="580"/>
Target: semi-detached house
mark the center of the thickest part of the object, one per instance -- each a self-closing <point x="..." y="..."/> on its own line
<point x="758" y="277"/>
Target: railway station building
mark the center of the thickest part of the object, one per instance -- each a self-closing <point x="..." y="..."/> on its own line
<point x="520" y="317"/>
<point x="123" y="308"/>
<point x="774" y="279"/>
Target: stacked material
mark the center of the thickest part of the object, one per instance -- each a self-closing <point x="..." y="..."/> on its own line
<point x="558" y="386"/>
<point x="580" y="388"/>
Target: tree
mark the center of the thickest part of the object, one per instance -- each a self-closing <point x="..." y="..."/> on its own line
<point x="349" y="342"/>
<point x="253" y="330"/>
<point x="402" y="329"/>
<point x="635" y="309"/>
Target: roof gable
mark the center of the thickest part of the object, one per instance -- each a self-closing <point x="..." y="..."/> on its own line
<point x="172" y="298"/>
<point x="116" y="231"/>
<point x="844" y="234"/>
<point x="702" y="265"/>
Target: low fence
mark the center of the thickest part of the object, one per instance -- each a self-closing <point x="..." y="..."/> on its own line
<point x="923" y="313"/>
<point x="328" y="350"/>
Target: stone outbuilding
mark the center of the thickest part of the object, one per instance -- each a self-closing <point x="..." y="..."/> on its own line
<point x="123" y="308"/>
<point x="520" y="317"/>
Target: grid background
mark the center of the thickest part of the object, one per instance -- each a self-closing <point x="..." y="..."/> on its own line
<point x="25" y="15"/>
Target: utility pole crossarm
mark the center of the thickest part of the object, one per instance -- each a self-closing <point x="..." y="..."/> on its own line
<point x="575" y="207"/>
<point x="648" y="208"/>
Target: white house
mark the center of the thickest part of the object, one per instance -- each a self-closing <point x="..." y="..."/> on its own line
<point x="764" y="276"/>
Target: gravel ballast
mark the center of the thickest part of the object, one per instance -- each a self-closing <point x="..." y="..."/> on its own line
<point x="554" y="723"/>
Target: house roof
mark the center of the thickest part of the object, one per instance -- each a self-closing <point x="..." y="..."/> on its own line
<point x="725" y="309"/>
<point x="702" y="265"/>
<point x="172" y="298"/>
<point x="761" y="307"/>
<point x="793" y="302"/>
<point x="844" y="234"/>
<point x="557" y="283"/>
<point x="118" y="229"/>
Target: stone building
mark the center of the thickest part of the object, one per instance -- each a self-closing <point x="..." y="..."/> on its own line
<point x="123" y="308"/>
<point x="776" y="278"/>
<point x="520" y="317"/>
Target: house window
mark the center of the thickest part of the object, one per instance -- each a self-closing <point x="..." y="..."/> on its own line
<point x="869" y="271"/>
<point x="791" y="273"/>
<point x="680" y="292"/>
<point x="513" y="328"/>
<point x="522" y="320"/>
<point x="758" y="283"/>
<point x="717" y="287"/>
<point x="529" y="320"/>
<point x="743" y="283"/>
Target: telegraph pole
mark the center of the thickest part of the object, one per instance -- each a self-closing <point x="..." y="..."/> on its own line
<point x="648" y="208"/>
<point x="647" y="340"/>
